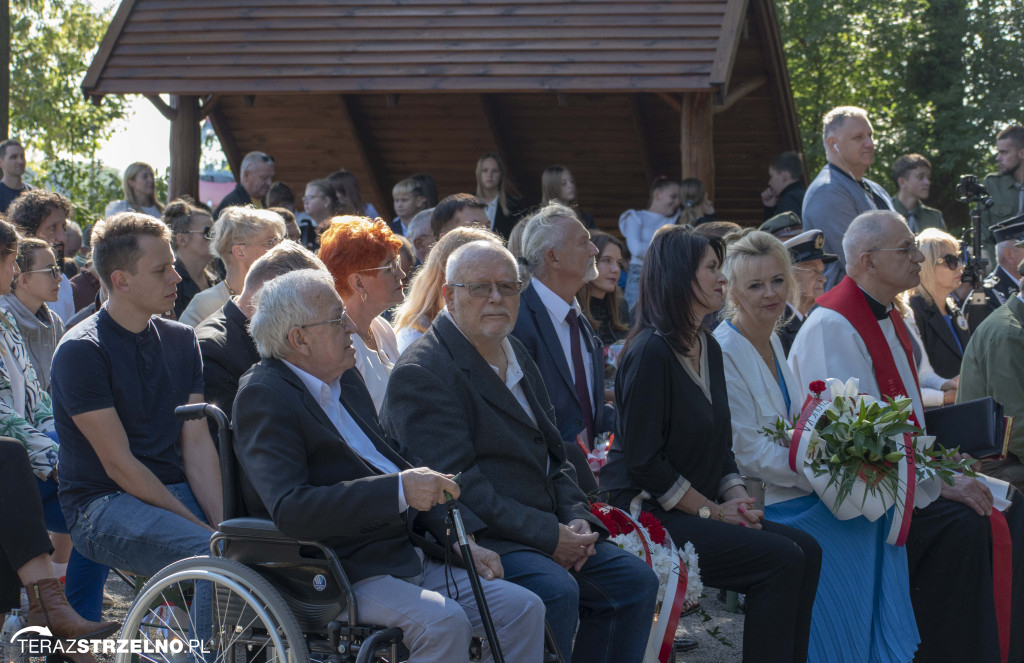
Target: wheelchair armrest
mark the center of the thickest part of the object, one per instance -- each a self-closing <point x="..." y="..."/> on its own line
<point x="256" y="527"/>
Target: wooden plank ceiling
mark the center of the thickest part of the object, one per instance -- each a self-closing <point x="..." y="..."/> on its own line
<point x="254" y="46"/>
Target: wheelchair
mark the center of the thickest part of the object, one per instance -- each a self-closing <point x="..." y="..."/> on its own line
<point x="272" y="598"/>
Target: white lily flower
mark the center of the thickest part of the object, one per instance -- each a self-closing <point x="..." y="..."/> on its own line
<point x="848" y="390"/>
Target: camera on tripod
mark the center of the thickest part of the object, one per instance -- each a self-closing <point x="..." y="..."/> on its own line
<point x="974" y="194"/>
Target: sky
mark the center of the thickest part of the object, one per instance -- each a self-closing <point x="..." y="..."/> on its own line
<point x="143" y="136"/>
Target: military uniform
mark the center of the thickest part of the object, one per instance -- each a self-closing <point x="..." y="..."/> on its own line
<point x="805" y="247"/>
<point x="921" y="217"/>
<point x="1007" y="199"/>
<point x="1002" y="284"/>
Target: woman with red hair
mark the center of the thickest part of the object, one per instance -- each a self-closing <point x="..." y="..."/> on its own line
<point x="362" y="255"/>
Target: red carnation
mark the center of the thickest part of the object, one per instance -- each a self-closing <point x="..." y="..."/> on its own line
<point x="817" y="387"/>
<point x="653" y="527"/>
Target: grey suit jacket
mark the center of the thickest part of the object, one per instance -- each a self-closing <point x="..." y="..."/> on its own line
<point x="830" y="204"/>
<point x="449" y="408"/>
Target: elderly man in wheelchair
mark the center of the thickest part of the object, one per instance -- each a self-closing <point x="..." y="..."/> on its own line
<point x="340" y="532"/>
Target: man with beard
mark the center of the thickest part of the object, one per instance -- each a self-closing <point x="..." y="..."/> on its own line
<point x="840" y="191"/>
<point x="561" y="258"/>
<point x="857" y="332"/>
<point x="44" y="215"/>
<point x="1006" y="187"/>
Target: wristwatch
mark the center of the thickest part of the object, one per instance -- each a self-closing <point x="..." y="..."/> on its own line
<point x="704" y="512"/>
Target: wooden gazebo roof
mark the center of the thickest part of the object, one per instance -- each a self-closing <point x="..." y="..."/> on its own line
<point x="388" y="88"/>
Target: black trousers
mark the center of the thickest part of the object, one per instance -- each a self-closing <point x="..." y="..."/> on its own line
<point x="949" y="552"/>
<point x="776" y="567"/>
<point x="22" y="531"/>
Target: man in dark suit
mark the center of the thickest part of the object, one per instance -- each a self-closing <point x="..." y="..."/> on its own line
<point x="256" y="177"/>
<point x="570" y="356"/>
<point x="315" y="461"/>
<point x="466" y="397"/>
<point x="786" y="188"/>
<point x="228" y="350"/>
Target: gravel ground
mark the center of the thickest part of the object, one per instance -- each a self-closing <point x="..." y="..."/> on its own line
<point x="710" y="650"/>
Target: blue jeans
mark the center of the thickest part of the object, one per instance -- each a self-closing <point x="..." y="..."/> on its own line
<point x="84" y="578"/>
<point x="613" y="596"/>
<point x="121" y="531"/>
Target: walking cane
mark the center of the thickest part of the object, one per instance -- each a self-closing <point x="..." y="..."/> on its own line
<point x="474" y="579"/>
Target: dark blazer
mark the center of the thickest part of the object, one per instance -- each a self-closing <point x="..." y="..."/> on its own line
<point x="535" y="331"/>
<point x="1004" y="286"/>
<point x="448" y="407"/>
<point x="228" y="352"/>
<point x="298" y="471"/>
<point x="666" y="429"/>
<point x="503" y="223"/>
<point x="939" y="343"/>
<point x="238" y="196"/>
<point x="396" y="226"/>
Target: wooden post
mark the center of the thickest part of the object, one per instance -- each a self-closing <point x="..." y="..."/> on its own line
<point x="185" y="144"/>
<point x="697" y="144"/>
<point x="5" y="68"/>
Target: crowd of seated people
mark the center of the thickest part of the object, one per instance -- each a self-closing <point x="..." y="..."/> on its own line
<point x="356" y="394"/>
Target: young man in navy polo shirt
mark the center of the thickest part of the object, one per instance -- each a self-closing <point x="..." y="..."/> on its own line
<point x="138" y="487"/>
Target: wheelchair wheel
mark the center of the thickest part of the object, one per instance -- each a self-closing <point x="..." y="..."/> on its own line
<point x="247" y="621"/>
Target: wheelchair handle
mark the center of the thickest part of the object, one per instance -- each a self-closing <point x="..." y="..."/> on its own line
<point x="200" y="410"/>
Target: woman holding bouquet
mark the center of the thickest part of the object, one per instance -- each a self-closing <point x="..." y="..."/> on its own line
<point x="672" y="452"/>
<point x="863" y="610"/>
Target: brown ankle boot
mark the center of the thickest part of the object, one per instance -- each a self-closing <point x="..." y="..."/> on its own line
<point x="49" y="607"/>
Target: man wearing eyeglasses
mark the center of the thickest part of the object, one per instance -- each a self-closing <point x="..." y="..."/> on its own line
<point x="807" y="251"/>
<point x="256" y="177"/>
<point x="561" y="258"/>
<point x="840" y="191"/>
<point x="467" y="397"/>
<point x="316" y="462"/>
<point x="857" y="332"/>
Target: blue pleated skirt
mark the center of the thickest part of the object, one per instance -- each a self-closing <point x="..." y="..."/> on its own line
<point x="862" y="611"/>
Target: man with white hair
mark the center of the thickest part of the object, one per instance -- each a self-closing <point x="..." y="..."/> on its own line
<point x="857" y="332"/>
<point x="256" y="177"/>
<point x="840" y="191"/>
<point x="315" y="461"/>
<point x="420" y="234"/>
<point x="561" y="258"/>
<point x="467" y="397"/>
<point x="1004" y="281"/>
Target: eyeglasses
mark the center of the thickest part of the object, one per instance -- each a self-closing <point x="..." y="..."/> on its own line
<point x="269" y="244"/>
<point x="913" y="247"/>
<point x="480" y="290"/>
<point x="391" y="268"/>
<point x="54" y="271"/>
<point x="816" y="272"/>
<point x="951" y="261"/>
<point x="205" y="232"/>
<point x="337" y="322"/>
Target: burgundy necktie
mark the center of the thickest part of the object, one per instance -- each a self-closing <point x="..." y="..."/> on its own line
<point x="582" y="390"/>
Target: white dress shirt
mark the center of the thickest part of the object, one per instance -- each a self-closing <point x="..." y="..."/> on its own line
<point x="328" y="397"/>
<point x="558" y="308"/>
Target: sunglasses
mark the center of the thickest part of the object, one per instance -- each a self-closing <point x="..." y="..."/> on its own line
<point x="54" y="271"/>
<point x="951" y="261"/>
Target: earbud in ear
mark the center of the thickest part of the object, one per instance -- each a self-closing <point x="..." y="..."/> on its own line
<point x="835" y="147"/>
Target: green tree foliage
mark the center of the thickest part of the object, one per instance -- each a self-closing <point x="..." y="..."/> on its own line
<point x="938" y="77"/>
<point x="52" y="44"/>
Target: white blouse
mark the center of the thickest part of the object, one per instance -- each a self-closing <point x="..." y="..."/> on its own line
<point x="375" y="367"/>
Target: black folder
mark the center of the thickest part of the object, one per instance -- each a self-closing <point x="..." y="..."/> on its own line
<point x="977" y="427"/>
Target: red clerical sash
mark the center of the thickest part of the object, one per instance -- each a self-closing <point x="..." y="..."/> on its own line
<point x="848" y="300"/>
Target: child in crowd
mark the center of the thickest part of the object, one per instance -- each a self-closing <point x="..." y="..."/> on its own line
<point x="409" y="199"/>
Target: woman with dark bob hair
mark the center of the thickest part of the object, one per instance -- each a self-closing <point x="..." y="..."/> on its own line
<point x="672" y="453"/>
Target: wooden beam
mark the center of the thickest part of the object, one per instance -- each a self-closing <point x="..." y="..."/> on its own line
<point x="728" y="44"/>
<point x="354" y="121"/>
<point x="227" y="141"/>
<point x="162" y="106"/>
<point x="636" y="112"/>
<point x="210" y="102"/>
<point x="502" y="142"/>
<point x="106" y="47"/>
<point x="186" y="147"/>
<point x="697" y="146"/>
<point x="740" y="91"/>
<point x="672" y="101"/>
